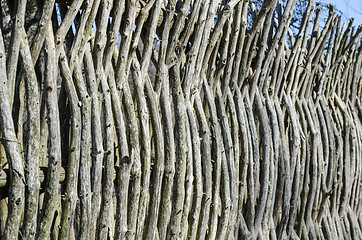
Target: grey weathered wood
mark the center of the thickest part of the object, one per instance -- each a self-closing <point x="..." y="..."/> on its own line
<point x="179" y="119"/>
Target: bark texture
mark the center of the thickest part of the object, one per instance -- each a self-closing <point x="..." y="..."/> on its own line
<point x="179" y="119"/>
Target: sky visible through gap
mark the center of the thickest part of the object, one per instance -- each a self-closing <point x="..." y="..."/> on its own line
<point x="348" y="9"/>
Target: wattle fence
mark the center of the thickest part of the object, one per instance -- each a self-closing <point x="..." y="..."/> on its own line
<point x="179" y="119"/>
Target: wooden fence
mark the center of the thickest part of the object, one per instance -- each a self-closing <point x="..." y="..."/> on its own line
<point x="179" y="119"/>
